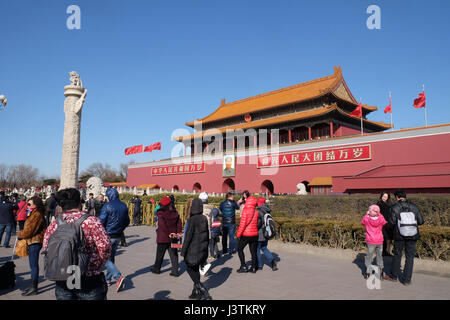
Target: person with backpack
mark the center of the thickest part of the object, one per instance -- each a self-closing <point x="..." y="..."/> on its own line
<point x="248" y="234"/>
<point x="76" y="238"/>
<point x="405" y="217"/>
<point x="33" y="233"/>
<point x="266" y="231"/>
<point x="169" y="223"/>
<point x="195" y="248"/>
<point x="115" y="219"/>
<point x="374" y="222"/>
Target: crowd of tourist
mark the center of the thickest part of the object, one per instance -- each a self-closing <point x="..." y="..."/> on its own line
<point x="103" y="224"/>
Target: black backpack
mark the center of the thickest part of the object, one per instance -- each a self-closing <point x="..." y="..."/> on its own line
<point x="66" y="247"/>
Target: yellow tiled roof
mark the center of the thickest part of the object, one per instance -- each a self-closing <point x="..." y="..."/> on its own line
<point x="321" y="181"/>
<point x="299" y="92"/>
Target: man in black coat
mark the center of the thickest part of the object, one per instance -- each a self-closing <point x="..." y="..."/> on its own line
<point x="7" y="219"/>
<point x="136" y="211"/>
<point x="405" y="217"/>
<point x="195" y="248"/>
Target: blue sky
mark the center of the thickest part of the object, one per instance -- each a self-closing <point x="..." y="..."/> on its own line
<point x="150" y="66"/>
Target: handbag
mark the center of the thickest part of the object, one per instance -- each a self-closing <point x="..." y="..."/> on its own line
<point x="22" y="248"/>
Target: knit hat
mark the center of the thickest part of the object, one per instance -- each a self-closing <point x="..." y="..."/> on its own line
<point x="165" y="201"/>
<point x="374" y="210"/>
<point x="197" y="206"/>
<point x="260" y="201"/>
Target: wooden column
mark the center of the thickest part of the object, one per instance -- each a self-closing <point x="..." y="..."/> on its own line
<point x="331" y="129"/>
<point x="309" y="132"/>
<point x="255" y="141"/>
<point x="234" y="144"/>
<point x="220" y="145"/>
<point x="290" y="135"/>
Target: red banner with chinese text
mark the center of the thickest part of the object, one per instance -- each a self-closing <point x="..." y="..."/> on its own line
<point x="178" y="169"/>
<point x="353" y="153"/>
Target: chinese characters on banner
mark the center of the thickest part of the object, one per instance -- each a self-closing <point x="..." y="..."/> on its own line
<point x="353" y="153"/>
<point x="178" y="169"/>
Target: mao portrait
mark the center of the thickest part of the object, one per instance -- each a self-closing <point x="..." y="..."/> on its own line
<point x="228" y="166"/>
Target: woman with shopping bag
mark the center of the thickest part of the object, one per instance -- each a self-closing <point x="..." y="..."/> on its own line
<point x="33" y="234"/>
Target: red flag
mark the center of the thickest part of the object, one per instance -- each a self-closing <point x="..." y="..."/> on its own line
<point x="420" y="101"/>
<point x="388" y="109"/>
<point x="155" y="146"/>
<point x="357" y="112"/>
<point x="133" y="150"/>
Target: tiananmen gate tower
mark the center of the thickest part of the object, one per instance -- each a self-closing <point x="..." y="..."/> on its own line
<point x="303" y="133"/>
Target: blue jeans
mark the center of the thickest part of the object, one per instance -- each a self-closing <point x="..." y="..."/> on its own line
<point x="33" y="257"/>
<point x="111" y="270"/>
<point x="8" y="228"/>
<point x="228" y="230"/>
<point x="262" y="245"/>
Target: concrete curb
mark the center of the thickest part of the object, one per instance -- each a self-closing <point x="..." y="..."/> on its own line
<point x="429" y="267"/>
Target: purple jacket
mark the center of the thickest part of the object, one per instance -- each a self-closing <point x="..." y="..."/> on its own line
<point x="168" y="222"/>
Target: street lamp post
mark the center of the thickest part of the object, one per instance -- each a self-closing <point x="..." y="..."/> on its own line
<point x="3" y="102"/>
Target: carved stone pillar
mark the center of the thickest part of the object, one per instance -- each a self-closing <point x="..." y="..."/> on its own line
<point x="73" y="104"/>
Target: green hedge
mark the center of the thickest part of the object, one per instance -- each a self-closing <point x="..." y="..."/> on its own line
<point x="434" y="242"/>
<point x="332" y="221"/>
<point x="351" y="208"/>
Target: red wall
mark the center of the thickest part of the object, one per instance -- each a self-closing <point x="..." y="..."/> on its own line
<point x="425" y="149"/>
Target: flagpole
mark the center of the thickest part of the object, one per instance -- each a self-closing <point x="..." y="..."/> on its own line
<point x="425" y="107"/>
<point x="390" y="102"/>
<point x="360" y="102"/>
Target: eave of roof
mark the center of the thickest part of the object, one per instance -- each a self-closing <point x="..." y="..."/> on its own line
<point x="279" y="119"/>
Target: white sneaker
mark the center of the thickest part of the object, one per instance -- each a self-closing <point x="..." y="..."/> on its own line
<point x="205" y="269"/>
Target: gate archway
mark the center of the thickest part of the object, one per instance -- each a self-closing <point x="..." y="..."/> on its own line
<point x="267" y="187"/>
<point x="228" y="185"/>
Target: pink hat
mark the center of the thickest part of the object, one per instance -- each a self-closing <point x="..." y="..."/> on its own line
<point x="373" y="210"/>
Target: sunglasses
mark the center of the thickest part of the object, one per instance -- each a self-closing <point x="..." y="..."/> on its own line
<point x="29" y="204"/>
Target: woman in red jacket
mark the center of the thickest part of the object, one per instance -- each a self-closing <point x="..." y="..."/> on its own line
<point x="248" y="234"/>
<point x="22" y="213"/>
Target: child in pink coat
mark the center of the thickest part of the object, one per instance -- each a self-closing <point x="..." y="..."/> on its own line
<point x="374" y="222"/>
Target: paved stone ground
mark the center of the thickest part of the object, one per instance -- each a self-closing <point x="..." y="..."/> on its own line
<point x="300" y="276"/>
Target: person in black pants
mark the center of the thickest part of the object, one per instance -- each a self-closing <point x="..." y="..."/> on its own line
<point x="248" y="234"/>
<point x="388" y="231"/>
<point x="169" y="223"/>
<point x="195" y="248"/>
<point x="405" y="218"/>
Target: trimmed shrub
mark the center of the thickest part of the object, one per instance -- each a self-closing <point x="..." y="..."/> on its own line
<point x="434" y="241"/>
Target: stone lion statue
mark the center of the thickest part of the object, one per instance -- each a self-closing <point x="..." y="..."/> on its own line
<point x="94" y="185"/>
<point x="301" y="189"/>
<point x="75" y="79"/>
